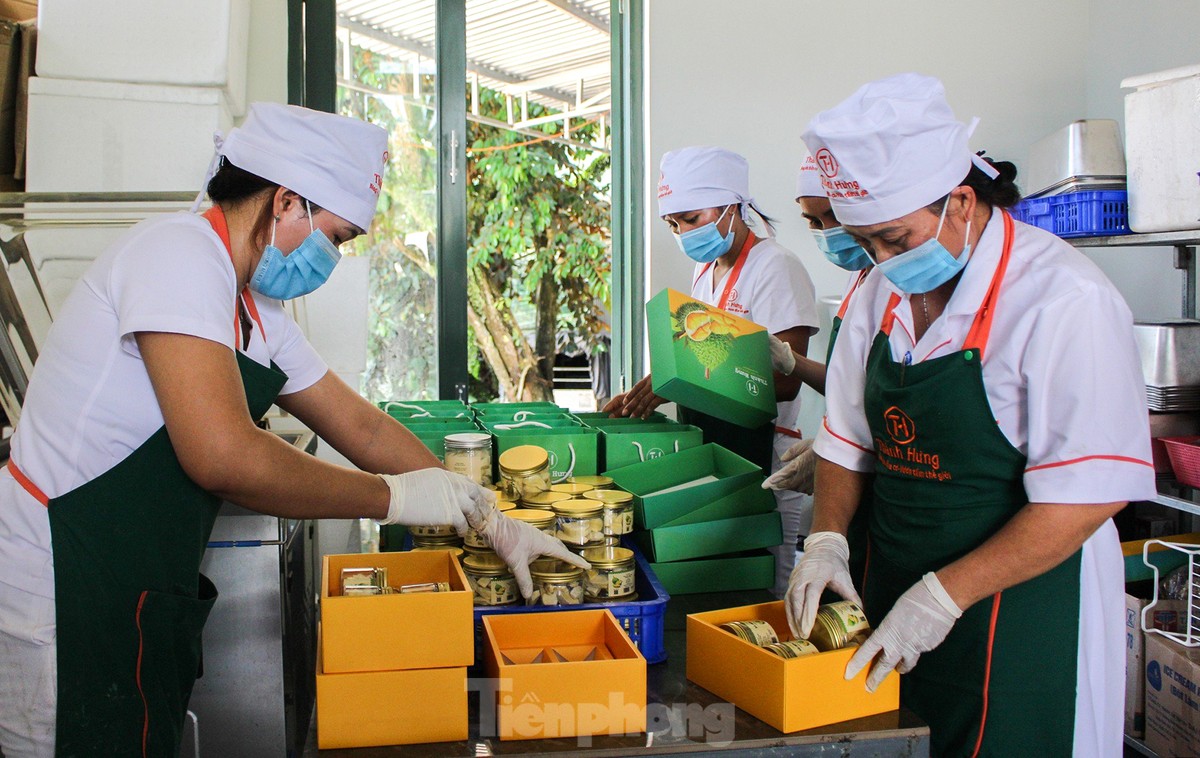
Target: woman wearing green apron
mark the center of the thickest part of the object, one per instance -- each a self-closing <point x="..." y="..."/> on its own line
<point x="141" y="417"/>
<point x="965" y="389"/>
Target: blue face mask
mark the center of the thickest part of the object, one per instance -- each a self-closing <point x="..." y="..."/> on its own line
<point x="298" y="273"/>
<point x="841" y="249"/>
<point x="705" y="244"/>
<point x="928" y="265"/>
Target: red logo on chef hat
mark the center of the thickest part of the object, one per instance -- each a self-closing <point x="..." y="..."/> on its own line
<point x="664" y="189"/>
<point x="377" y="180"/>
<point x="899" y="425"/>
<point x="827" y="163"/>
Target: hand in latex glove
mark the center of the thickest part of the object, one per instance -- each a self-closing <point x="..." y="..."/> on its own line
<point x="796" y="473"/>
<point x="519" y="544"/>
<point x="782" y="359"/>
<point x="826" y="562"/>
<point x="917" y="623"/>
<point x="435" y="497"/>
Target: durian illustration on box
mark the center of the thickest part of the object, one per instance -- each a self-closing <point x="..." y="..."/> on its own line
<point x="708" y="333"/>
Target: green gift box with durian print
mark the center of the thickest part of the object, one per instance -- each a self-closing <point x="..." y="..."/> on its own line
<point x="708" y="360"/>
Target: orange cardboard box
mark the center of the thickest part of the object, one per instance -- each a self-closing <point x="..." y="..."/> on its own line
<point x="387" y="632"/>
<point x="373" y="708"/>
<point x="564" y="674"/>
<point x="790" y="694"/>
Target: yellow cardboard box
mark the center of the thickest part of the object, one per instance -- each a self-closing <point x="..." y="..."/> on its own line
<point x="388" y="632"/>
<point x="790" y="694"/>
<point x="564" y="674"/>
<point x="373" y="708"/>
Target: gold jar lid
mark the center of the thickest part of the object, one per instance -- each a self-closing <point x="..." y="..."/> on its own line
<point x="607" y="557"/>
<point x="468" y="441"/>
<point x="485" y="564"/>
<point x="532" y="516"/>
<point x="439" y="540"/>
<point x="552" y="568"/>
<point x="505" y="505"/>
<point x="572" y="490"/>
<point x="472" y="550"/>
<point x="503" y="495"/>
<point x="594" y="482"/>
<point x="578" y="508"/>
<point x="524" y="459"/>
<point x="610" y="498"/>
<point x="544" y="500"/>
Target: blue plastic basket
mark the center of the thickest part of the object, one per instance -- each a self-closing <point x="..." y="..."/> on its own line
<point x="1096" y="213"/>
<point x="642" y="619"/>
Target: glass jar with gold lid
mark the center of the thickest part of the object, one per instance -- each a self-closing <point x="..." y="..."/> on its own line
<point x="579" y="522"/>
<point x="569" y="489"/>
<point x="598" y="482"/>
<point x="611" y="576"/>
<point x="618" y="510"/>
<point x="525" y="470"/>
<point x="555" y="582"/>
<point x="491" y="579"/>
<point x="544" y="500"/>
<point x="474" y="538"/>
<point x="543" y="520"/>
<point x="446" y="530"/>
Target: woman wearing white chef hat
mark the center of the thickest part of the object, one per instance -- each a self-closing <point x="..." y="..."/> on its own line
<point x="140" y="417"/>
<point x="987" y="377"/>
<point x="704" y="196"/>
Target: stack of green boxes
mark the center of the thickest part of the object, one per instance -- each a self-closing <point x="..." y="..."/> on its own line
<point x="703" y="520"/>
<point x="626" y="441"/>
<point x="574" y="449"/>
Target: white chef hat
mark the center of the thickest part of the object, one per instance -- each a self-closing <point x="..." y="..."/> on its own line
<point x="892" y="147"/>
<point x="808" y="181"/>
<point x="335" y="161"/>
<point x="694" y="178"/>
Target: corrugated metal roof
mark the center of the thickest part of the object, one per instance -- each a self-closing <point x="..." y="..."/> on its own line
<point x="557" y="51"/>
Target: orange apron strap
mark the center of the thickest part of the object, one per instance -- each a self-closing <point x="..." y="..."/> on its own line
<point x="853" y="288"/>
<point x="889" y="314"/>
<point x="216" y="217"/>
<point x="27" y="484"/>
<point x="981" y="328"/>
<point x="751" y="240"/>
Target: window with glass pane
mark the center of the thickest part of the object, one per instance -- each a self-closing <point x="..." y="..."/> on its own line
<point x="387" y="75"/>
<point x="538" y="200"/>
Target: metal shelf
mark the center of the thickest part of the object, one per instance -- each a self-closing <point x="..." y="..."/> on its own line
<point x="1178" y="503"/>
<point x="1189" y="238"/>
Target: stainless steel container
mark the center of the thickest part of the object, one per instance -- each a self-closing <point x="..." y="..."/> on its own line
<point x="1170" y="352"/>
<point x="1085" y="155"/>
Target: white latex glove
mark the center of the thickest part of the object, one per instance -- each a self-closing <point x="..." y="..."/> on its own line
<point x="917" y="623"/>
<point x="826" y="562"/>
<point x="782" y="360"/>
<point x="520" y="544"/>
<point x="796" y="473"/>
<point x="435" y="497"/>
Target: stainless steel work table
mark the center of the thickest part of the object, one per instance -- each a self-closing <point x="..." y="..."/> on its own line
<point x="898" y="733"/>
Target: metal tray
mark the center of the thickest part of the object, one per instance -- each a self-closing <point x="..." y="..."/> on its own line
<point x="1170" y="352"/>
<point x="1085" y="149"/>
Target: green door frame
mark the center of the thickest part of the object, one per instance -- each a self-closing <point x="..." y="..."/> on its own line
<point x="628" y="194"/>
<point x="312" y="82"/>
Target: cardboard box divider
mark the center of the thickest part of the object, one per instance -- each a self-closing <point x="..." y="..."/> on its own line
<point x="648" y="480"/>
<point x="398" y="631"/>
<point x="605" y="695"/>
<point x="789" y="694"/>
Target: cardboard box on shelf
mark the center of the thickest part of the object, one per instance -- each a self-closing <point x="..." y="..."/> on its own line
<point x="789" y="694"/>
<point x="670" y="487"/>
<point x="752" y="570"/>
<point x="679" y="543"/>
<point x="564" y="674"/>
<point x="397" y="631"/>
<point x="1172" y="697"/>
<point x="707" y="359"/>
<point x="375" y="708"/>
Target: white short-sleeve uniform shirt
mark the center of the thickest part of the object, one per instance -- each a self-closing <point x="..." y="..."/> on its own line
<point x="774" y="291"/>
<point x="90" y="402"/>
<point x="1063" y="378"/>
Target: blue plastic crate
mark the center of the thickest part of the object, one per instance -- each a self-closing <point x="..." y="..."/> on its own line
<point x="642" y="619"/>
<point x="1097" y="213"/>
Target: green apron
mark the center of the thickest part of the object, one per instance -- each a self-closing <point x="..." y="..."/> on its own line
<point x="946" y="479"/>
<point x="856" y="534"/>
<point x="130" y="598"/>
